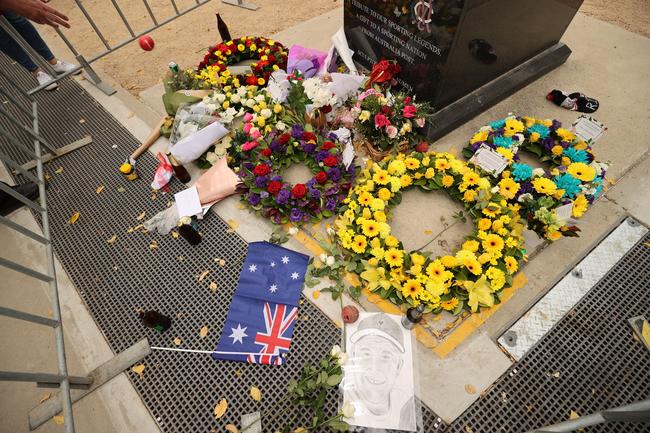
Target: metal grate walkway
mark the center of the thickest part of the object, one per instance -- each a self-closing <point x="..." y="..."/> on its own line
<point x="116" y="279"/>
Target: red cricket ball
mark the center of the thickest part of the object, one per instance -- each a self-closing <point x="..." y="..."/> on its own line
<point x="422" y="146"/>
<point x="146" y="43"/>
<point x="350" y="314"/>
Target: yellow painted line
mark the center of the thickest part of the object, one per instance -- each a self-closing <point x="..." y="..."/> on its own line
<point x="451" y="341"/>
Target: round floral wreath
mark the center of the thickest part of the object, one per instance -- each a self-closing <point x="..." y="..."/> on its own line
<point x="474" y="276"/>
<point x="269" y="55"/>
<point x="281" y="201"/>
<point x="575" y="177"/>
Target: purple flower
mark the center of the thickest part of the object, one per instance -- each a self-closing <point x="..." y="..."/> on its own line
<point x="322" y="155"/>
<point x="548" y="143"/>
<point x="476" y="145"/>
<point x="524" y="187"/>
<point x="253" y="199"/>
<point x="308" y="147"/>
<point x="248" y="165"/>
<point x="314" y="193"/>
<point x="276" y="178"/>
<point x="276" y="219"/>
<point x="310" y="183"/>
<point x="334" y="174"/>
<point x="260" y="182"/>
<point x="296" y="131"/>
<point x="333" y="190"/>
<point x="283" y="197"/>
<point x="275" y="145"/>
<point x="296" y="215"/>
<point x="555" y="125"/>
<point x="331" y="204"/>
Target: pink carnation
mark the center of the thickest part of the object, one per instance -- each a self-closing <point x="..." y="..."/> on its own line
<point x="248" y="117"/>
<point x="255" y="133"/>
<point x="391" y="131"/>
<point x="381" y="121"/>
<point x="249" y="145"/>
<point x="409" y="111"/>
<point x="247" y="127"/>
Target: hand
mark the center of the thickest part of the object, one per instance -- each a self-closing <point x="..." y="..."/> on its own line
<point x="37" y="11"/>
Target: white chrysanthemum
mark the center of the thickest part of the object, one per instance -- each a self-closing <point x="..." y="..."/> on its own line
<point x="266" y="113"/>
<point x="235" y="99"/>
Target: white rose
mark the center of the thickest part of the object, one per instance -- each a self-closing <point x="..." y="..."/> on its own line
<point x="235" y="99"/>
<point x="281" y="126"/>
<point x="330" y="260"/>
<point x="343" y="358"/>
<point x="336" y="351"/>
<point x="348" y="410"/>
<point x="266" y="113"/>
<point x="212" y="158"/>
<point x="220" y="97"/>
<point x="250" y="103"/>
<point x="525" y="197"/>
<point x="259" y="98"/>
<point x="538" y="172"/>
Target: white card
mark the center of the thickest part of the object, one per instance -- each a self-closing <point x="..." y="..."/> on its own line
<point x="489" y="160"/>
<point x="188" y="202"/>
<point x="564" y="212"/>
<point x="588" y="128"/>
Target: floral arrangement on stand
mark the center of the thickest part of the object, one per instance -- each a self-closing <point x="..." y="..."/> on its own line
<point x="263" y="159"/>
<point x="269" y="56"/>
<point x="575" y="178"/>
<point x="310" y="100"/>
<point x="472" y="277"/>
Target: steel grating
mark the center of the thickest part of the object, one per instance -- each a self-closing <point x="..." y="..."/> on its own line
<point x="115" y="280"/>
<point x="589" y="361"/>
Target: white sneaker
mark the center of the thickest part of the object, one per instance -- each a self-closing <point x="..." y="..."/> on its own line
<point x="43" y="78"/>
<point x="62" y="67"/>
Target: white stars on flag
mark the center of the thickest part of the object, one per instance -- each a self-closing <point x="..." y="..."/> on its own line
<point x="273" y="288"/>
<point x="273" y="264"/>
<point x="238" y="334"/>
<point x="285" y="260"/>
<point x="252" y="268"/>
<point x="295" y="276"/>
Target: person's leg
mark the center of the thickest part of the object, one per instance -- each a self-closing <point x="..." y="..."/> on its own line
<point x="13" y="50"/>
<point x="31" y="35"/>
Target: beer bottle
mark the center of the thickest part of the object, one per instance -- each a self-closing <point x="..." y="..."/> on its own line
<point x="413" y="316"/>
<point x="223" y="29"/>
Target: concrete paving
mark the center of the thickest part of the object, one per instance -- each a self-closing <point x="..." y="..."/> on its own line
<point x="607" y="63"/>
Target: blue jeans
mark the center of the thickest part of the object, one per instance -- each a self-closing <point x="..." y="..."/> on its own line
<point x="30" y="34"/>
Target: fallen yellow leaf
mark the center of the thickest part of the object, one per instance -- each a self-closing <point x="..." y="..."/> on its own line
<point x="153" y="245"/>
<point x="220" y="408"/>
<point x="141" y="216"/>
<point x="73" y="219"/>
<point x="59" y="170"/>
<point x="468" y="429"/>
<point x="645" y="332"/>
<point x="222" y="262"/>
<point x="428" y="232"/>
<point x="233" y="224"/>
<point x="213" y="286"/>
<point x="203" y="332"/>
<point x="45" y="397"/>
<point x="470" y="389"/>
<point x="256" y="394"/>
<point x="203" y="275"/>
<point x="138" y="369"/>
<point x="175" y="234"/>
<point x="121" y="189"/>
<point x="573" y="415"/>
<point x="177" y="341"/>
<point x="315" y="294"/>
<point x="58" y="419"/>
<point x="112" y="239"/>
<point x="237" y="372"/>
<point x="99" y="189"/>
<point x="231" y="428"/>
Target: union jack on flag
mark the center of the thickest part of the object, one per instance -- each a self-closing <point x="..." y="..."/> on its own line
<point x="263" y="311"/>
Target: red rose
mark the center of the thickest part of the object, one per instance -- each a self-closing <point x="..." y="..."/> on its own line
<point x="325" y="109"/>
<point x="321" y="177"/>
<point x="328" y="145"/>
<point x="284" y="138"/>
<point x="271" y="58"/>
<point x="409" y="111"/>
<point x="306" y="135"/>
<point x="251" y="80"/>
<point x="386" y="110"/>
<point x="266" y="152"/>
<point x="330" y="161"/>
<point x="299" y="191"/>
<point x="274" y="187"/>
<point x="261" y="170"/>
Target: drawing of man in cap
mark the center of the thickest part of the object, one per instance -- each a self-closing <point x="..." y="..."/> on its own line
<point x="377" y="358"/>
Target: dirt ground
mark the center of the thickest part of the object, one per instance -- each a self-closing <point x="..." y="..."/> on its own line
<point x="186" y="39"/>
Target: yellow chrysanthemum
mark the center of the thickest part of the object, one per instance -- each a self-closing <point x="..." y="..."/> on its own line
<point x="471" y="245"/>
<point x="447" y="181"/>
<point x="396" y="167"/>
<point x="406" y="180"/>
<point x="429" y="173"/>
<point x="449" y="305"/>
<point x="418" y="259"/>
<point x="544" y="185"/>
<point x="557" y="150"/>
<point x="384" y="194"/>
<point x="484" y="224"/>
<point x="511" y="264"/>
<point x="582" y="171"/>
<point x="394" y="257"/>
<point x="449" y="261"/>
<point x="391" y="241"/>
<point x="508" y="188"/>
<point x="379" y="216"/>
<point x="580" y="205"/>
<point x="370" y="228"/>
<point x="493" y="243"/>
<point x="411" y="288"/>
<point x="359" y="244"/>
<point x="534" y="137"/>
<point x="512" y="127"/>
<point x="412" y="163"/>
<point x="469" y="195"/>
<point x="377" y="204"/>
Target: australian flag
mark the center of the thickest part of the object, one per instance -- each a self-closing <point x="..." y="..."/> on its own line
<point x="263" y="311"/>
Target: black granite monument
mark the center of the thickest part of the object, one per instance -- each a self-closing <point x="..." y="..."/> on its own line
<point x="461" y="55"/>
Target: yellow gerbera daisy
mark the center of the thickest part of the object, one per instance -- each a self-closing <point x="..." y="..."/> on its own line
<point x="565" y="134"/>
<point x="580" y="205"/>
<point x="391" y="241"/>
<point x="449" y="305"/>
<point x="412" y="163"/>
<point x="512" y="127"/>
<point x="544" y="185"/>
<point x="493" y="243"/>
<point x="394" y="257"/>
<point x="411" y="288"/>
<point x="436" y="269"/>
<point x="406" y="180"/>
<point x="359" y="244"/>
<point x="479" y="136"/>
<point x="582" y="171"/>
<point x="396" y="167"/>
<point x="442" y="164"/>
<point x="471" y="177"/>
<point x="511" y="264"/>
<point x="508" y="188"/>
<point x="492" y="210"/>
<point x="484" y="224"/>
<point x="473" y="266"/>
<point x="365" y="198"/>
<point x="469" y="195"/>
<point x="370" y="228"/>
<point x="447" y="180"/>
<point x="381" y="177"/>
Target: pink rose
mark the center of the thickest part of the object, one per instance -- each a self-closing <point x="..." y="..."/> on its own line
<point x="248" y="117"/>
<point x="409" y="111"/>
<point x="249" y="145"/>
<point x="247" y="127"/>
<point x="420" y="122"/>
<point x="391" y="131"/>
<point x="381" y="121"/>
<point x="255" y="133"/>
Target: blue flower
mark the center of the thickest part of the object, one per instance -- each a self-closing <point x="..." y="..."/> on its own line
<point x="569" y="184"/>
<point x="540" y="129"/>
<point x="502" y="141"/>
<point x="576" y="155"/>
<point x="497" y="124"/>
<point x="521" y="172"/>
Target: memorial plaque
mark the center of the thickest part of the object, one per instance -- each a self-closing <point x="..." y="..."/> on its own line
<point x="450" y="48"/>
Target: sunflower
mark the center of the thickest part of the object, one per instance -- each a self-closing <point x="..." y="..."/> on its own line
<point x="544" y="185"/>
<point x="412" y="163"/>
<point x="582" y="171"/>
<point x="365" y="198"/>
<point x="394" y="257"/>
<point x="508" y="188"/>
<point x="442" y="164"/>
<point x="381" y="177"/>
<point x="511" y="264"/>
<point x="406" y="180"/>
<point x="449" y="305"/>
<point x="447" y="181"/>
<point x="492" y="210"/>
<point x="370" y="228"/>
<point x="411" y="288"/>
<point x="493" y="243"/>
<point x="359" y="244"/>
